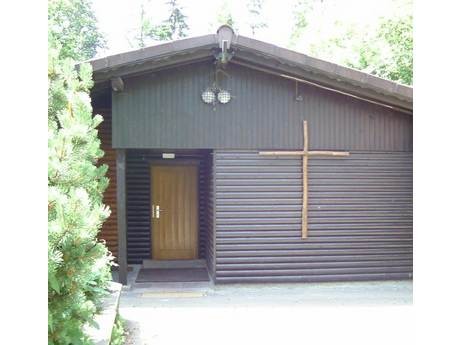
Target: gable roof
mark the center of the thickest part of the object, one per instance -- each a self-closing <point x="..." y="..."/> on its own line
<point x="260" y="55"/>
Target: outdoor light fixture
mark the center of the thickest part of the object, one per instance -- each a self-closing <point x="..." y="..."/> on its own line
<point x="224" y="96"/>
<point x="208" y="96"/>
<point x="214" y="92"/>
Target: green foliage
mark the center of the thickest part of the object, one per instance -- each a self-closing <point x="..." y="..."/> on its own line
<point x="225" y="17"/>
<point x="398" y="35"/>
<point x="118" y="331"/>
<point x="301" y="12"/>
<point x="73" y="25"/>
<point x="145" y="29"/>
<point x="382" y="47"/>
<point x="78" y="263"/>
<point x="255" y="11"/>
<point x="385" y="51"/>
<point x="175" y="27"/>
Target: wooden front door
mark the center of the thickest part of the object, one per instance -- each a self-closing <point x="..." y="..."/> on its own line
<point x="174" y="196"/>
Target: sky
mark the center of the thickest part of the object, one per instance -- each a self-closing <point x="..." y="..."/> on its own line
<point x="118" y="19"/>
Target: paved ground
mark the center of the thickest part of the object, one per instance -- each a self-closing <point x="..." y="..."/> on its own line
<point x="175" y="313"/>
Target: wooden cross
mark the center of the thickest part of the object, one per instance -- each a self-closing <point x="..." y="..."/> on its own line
<point x="305" y="154"/>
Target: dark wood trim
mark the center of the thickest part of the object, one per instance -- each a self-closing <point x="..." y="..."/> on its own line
<point x="121" y="216"/>
<point x="151" y="232"/>
<point x="214" y="236"/>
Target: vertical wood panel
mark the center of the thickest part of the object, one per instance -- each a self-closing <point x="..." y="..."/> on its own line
<point x="153" y="113"/>
<point x="305" y="182"/>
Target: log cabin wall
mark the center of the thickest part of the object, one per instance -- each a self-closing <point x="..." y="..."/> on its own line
<point x="138" y="202"/>
<point x="138" y="182"/>
<point x="359" y="227"/>
<point x="360" y="207"/>
<point x="109" y="229"/>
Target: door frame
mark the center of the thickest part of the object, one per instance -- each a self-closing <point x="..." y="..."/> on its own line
<point x="169" y="162"/>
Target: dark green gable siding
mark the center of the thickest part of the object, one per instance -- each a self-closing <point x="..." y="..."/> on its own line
<point x="165" y="110"/>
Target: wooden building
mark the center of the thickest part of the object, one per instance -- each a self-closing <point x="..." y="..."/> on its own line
<point x="270" y="165"/>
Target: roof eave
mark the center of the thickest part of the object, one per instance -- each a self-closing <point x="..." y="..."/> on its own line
<point x="329" y="73"/>
<point x="157" y="56"/>
<point x="261" y="53"/>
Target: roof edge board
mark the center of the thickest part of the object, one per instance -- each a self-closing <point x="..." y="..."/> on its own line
<point x="298" y="72"/>
<point x="322" y="86"/>
<point x="153" y="52"/>
<point x="151" y="66"/>
<point x="261" y="53"/>
<point x="335" y="71"/>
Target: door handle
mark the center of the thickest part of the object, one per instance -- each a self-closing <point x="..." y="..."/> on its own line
<point x="156" y="211"/>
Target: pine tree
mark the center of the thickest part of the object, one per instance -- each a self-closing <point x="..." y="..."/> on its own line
<point x="177" y="21"/>
<point x="73" y="24"/>
<point x="146" y="29"/>
<point x="78" y="263"/>
<point x="173" y="28"/>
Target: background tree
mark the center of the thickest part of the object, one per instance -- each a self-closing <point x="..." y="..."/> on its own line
<point x="256" y="21"/>
<point x="382" y="47"/>
<point x="397" y="33"/>
<point x="73" y="25"/>
<point x="174" y="27"/>
<point x="225" y="16"/>
<point x="146" y="29"/>
<point x="301" y="12"/>
<point x="386" y="51"/>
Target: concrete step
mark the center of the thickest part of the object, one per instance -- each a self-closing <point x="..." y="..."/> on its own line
<point x="174" y="263"/>
<point x="105" y="319"/>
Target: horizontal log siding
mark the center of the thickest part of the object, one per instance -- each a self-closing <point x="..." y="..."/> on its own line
<point x="360" y="218"/>
<point x="138" y="206"/>
<point x="138" y="203"/>
<point x="109" y="231"/>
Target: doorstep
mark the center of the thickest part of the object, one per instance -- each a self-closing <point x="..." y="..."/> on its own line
<point x="198" y="263"/>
